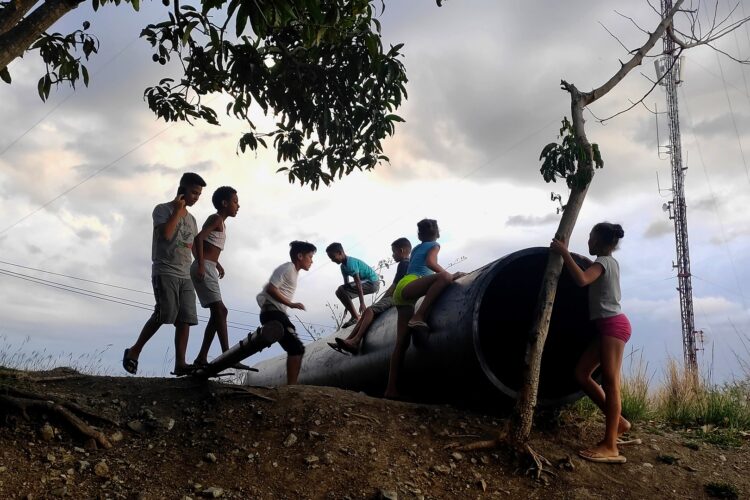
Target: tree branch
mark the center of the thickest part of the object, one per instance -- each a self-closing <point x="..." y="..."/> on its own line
<point x="14" y="12"/>
<point x="15" y="41"/>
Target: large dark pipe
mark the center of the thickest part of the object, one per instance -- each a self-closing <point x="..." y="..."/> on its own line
<point x="474" y="354"/>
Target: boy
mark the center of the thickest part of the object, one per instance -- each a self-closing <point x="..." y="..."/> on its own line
<point x="174" y="231"/>
<point x="277" y="296"/>
<point x="401" y="248"/>
<point x="206" y="270"/>
<point x="366" y="281"/>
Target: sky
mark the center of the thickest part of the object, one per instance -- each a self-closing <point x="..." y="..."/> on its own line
<point x="81" y="173"/>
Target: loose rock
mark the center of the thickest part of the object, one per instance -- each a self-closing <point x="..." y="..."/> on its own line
<point x="47" y="432"/>
<point x="290" y="440"/>
<point x="101" y="469"/>
<point x="212" y="492"/>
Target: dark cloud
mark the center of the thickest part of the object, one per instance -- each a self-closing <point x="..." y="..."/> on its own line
<point x="658" y="229"/>
<point x="532" y="220"/>
<point x="723" y="125"/>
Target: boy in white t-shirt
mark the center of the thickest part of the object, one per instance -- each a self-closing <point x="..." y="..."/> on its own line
<point x="277" y="295"/>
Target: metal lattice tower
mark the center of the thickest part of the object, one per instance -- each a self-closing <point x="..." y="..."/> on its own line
<point x="669" y="66"/>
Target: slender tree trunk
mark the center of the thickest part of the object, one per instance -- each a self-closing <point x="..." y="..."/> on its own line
<point x="16" y="40"/>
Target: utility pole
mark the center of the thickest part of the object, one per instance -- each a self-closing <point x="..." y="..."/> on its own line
<point x="668" y="67"/>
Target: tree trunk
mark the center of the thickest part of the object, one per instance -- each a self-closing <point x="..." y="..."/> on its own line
<point x="16" y="40"/>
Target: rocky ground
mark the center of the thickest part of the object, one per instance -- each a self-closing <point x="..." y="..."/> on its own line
<point x="180" y="438"/>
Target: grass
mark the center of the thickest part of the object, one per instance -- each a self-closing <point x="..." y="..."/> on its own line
<point x="19" y="358"/>
<point x="716" y="414"/>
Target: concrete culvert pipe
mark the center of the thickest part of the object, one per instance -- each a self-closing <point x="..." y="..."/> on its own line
<point x="474" y="353"/>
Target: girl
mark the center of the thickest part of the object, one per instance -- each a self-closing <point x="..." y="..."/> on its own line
<point x="424" y="278"/>
<point x="613" y="329"/>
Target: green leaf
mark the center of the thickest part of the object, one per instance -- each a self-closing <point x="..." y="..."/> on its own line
<point x="136" y="5"/>
<point x="85" y="73"/>
<point x="5" y="74"/>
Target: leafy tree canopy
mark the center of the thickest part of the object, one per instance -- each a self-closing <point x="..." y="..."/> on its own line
<point x="318" y="66"/>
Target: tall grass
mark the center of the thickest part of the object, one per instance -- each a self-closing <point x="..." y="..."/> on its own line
<point x="20" y="357"/>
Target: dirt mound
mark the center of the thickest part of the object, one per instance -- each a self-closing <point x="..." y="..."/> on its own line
<point x="180" y="438"/>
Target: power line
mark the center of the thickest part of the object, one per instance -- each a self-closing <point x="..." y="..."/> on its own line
<point x="126" y="288"/>
<point x="115" y="299"/>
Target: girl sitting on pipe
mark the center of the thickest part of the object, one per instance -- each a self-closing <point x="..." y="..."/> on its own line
<point x="424" y="278"/>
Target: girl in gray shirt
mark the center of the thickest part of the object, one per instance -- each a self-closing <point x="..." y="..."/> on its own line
<point x="603" y="279"/>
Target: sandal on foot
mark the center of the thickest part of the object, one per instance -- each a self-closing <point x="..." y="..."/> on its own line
<point x="181" y="371"/>
<point x="419" y="326"/>
<point x="129" y="364"/>
<point x="343" y="345"/>
<point x="338" y="348"/>
<point x="599" y="458"/>
<point x="626" y="441"/>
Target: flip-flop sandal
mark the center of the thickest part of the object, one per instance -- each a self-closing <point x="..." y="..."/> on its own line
<point x="627" y="441"/>
<point x="342" y="344"/>
<point x="596" y="457"/>
<point x="419" y="326"/>
<point x="337" y="348"/>
<point x="129" y="364"/>
<point x="184" y="370"/>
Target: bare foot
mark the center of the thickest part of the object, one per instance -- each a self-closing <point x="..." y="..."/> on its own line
<point x="600" y="451"/>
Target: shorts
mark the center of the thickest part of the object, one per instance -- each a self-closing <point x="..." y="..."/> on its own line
<point x="398" y="300"/>
<point x="385" y="303"/>
<point x="207" y="289"/>
<point x="368" y="287"/>
<point x="175" y="300"/>
<point x="614" y="326"/>
<point x="290" y="342"/>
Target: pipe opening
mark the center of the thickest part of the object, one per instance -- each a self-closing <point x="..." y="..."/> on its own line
<point x="504" y="318"/>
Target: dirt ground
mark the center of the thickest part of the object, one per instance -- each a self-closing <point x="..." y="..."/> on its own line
<point x="181" y="438"/>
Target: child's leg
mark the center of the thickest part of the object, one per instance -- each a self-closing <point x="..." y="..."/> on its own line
<point x="148" y="331"/>
<point x="181" y="332"/>
<point x="360" y="330"/>
<point x="343" y="295"/>
<point x="611" y="356"/>
<point x="293" y="365"/>
<point x="403" y="338"/>
<point x="428" y="286"/>
<point x="590" y="361"/>
<point x="208" y="337"/>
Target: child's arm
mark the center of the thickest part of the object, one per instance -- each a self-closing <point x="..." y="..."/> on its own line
<point x="169" y="227"/>
<point x="358" y="282"/>
<point x="277" y="295"/>
<point x="213" y="222"/>
<point x="581" y="277"/>
<point x="431" y="260"/>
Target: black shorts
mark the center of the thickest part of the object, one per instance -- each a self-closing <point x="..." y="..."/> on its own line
<point x="290" y="342"/>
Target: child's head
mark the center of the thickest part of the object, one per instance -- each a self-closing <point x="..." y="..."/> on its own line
<point x="604" y="238"/>
<point x="301" y="253"/>
<point x="427" y="230"/>
<point x="191" y="187"/>
<point x="225" y="201"/>
<point x="336" y="253"/>
<point x="401" y="249"/>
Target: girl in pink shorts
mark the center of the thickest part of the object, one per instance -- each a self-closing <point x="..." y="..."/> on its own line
<point x="603" y="279"/>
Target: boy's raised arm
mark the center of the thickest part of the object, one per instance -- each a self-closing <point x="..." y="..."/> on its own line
<point x="358" y="282"/>
<point x="169" y="226"/>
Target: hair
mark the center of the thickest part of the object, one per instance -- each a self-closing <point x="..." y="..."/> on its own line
<point x="428" y="228"/>
<point x="191" y="179"/>
<point x="402" y="243"/>
<point x="335" y="248"/>
<point x="608" y="235"/>
<point x="298" y="247"/>
<point x="224" y="193"/>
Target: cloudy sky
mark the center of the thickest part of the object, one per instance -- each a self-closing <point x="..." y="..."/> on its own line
<point x="80" y="174"/>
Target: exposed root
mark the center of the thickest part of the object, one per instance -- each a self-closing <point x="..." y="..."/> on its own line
<point x="366" y="417"/>
<point x="23" y="401"/>
<point x="539" y="463"/>
<point x="489" y="444"/>
<point x="239" y="391"/>
<point x="25" y="404"/>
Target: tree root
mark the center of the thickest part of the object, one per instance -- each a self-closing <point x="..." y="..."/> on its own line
<point x="238" y="391"/>
<point x="539" y="464"/>
<point x="23" y="401"/>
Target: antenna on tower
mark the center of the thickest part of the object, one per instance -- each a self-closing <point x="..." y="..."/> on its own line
<point x="668" y="70"/>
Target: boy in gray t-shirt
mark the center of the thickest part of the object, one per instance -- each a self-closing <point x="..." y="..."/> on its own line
<point x="171" y="253"/>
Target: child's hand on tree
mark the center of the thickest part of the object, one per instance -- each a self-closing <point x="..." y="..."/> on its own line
<point x="559" y="247"/>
